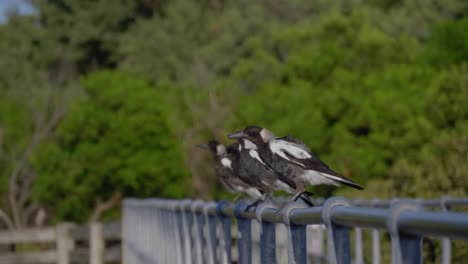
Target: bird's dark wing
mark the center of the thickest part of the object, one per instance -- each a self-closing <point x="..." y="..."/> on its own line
<point x="299" y="155"/>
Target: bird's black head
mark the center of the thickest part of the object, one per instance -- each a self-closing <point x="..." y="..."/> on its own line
<point x="256" y="134"/>
<point x="215" y="147"/>
<point x="233" y="149"/>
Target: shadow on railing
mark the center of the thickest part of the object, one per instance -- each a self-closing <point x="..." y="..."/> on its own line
<point x="186" y="231"/>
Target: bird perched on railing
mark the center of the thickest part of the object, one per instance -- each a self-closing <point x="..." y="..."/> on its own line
<point x="292" y="159"/>
<point x="223" y="161"/>
<point x="263" y="177"/>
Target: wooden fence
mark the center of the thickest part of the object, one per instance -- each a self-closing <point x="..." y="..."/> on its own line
<point x="65" y="243"/>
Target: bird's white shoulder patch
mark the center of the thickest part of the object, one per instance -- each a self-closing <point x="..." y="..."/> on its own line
<point x="249" y="144"/>
<point x="254" y="154"/>
<point x="280" y="147"/>
<point x="220" y="150"/>
<point x="226" y="163"/>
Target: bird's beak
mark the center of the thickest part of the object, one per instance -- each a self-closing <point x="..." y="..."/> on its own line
<point x="203" y="146"/>
<point x="236" y="135"/>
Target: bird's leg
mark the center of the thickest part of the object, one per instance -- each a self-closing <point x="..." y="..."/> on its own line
<point x="267" y="196"/>
<point x="239" y="195"/>
<point x="263" y="198"/>
<point x="306" y="199"/>
<point x="300" y="189"/>
<point x="295" y="197"/>
<point x="259" y="200"/>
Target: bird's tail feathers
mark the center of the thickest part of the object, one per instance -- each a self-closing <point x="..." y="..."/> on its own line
<point x="343" y="181"/>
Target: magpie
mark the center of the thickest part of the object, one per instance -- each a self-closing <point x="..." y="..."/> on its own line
<point x="263" y="176"/>
<point x="222" y="163"/>
<point x="240" y="169"/>
<point x="292" y="159"/>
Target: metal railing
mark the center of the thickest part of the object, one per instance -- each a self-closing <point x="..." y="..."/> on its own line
<point x="187" y="231"/>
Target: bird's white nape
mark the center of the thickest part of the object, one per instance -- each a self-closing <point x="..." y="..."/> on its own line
<point x="220" y="150"/>
<point x="266" y="135"/>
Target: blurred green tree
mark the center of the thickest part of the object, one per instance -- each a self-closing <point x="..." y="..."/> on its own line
<point x="116" y="140"/>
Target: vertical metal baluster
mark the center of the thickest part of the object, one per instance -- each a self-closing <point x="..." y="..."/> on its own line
<point x="411" y="249"/>
<point x="446" y="243"/>
<point x="199" y="226"/>
<point x="126" y="232"/>
<point x="211" y="232"/>
<point x="297" y="241"/>
<point x="339" y="246"/>
<point x="268" y="243"/>
<point x="244" y="240"/>
<point x="225" y="231"/>
<point x="406" y="249"/>
<point x="174" y="218"/>
<point x="315" y="246"/>
<point x="358" y="258"/>
<point x="189" y="232"/>
<point x="282" y="236"/>
<point x="375" y="238"/>
<point x="267" y="235"/>
<point x="375" y="246"/>
<point x="153" y="232"/>
<point x="182" y="233"/>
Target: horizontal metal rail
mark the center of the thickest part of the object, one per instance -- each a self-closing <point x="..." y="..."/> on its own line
<point x="406" y="220"/>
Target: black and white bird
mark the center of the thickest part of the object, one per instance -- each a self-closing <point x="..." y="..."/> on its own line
<point x="292" y="159"/>
<point x="223" y="160"/>
<point x="265" y="178"/>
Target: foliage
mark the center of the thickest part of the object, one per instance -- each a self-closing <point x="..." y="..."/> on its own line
<point x="117" y="139"/>
<point x="376" y="88"/>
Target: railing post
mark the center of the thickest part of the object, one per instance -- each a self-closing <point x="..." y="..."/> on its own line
<point x="267" y="236"/>
<point x="315" y="246"/>
<point x="358" y="255"/>
<point x="174" y="219"/>
<point x="406" y="249"/>
<point x="244" y="236"/>
<point x="187" y="223"/>
<point x="446" y="244"/>
<point x="181" y="232"/>
<point x="339" y="249"/>
<point x="226" y="237"/>
<point x="297" y="246"/>
<point x="96" y="243"/>
<point x="411" y="248"/>
<point x="375" y="246"/>
<point x="375" y="239"/>
<point x="211" y="233"/>
<point x="199" y="221"/>
<point x="65" y="243"/>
